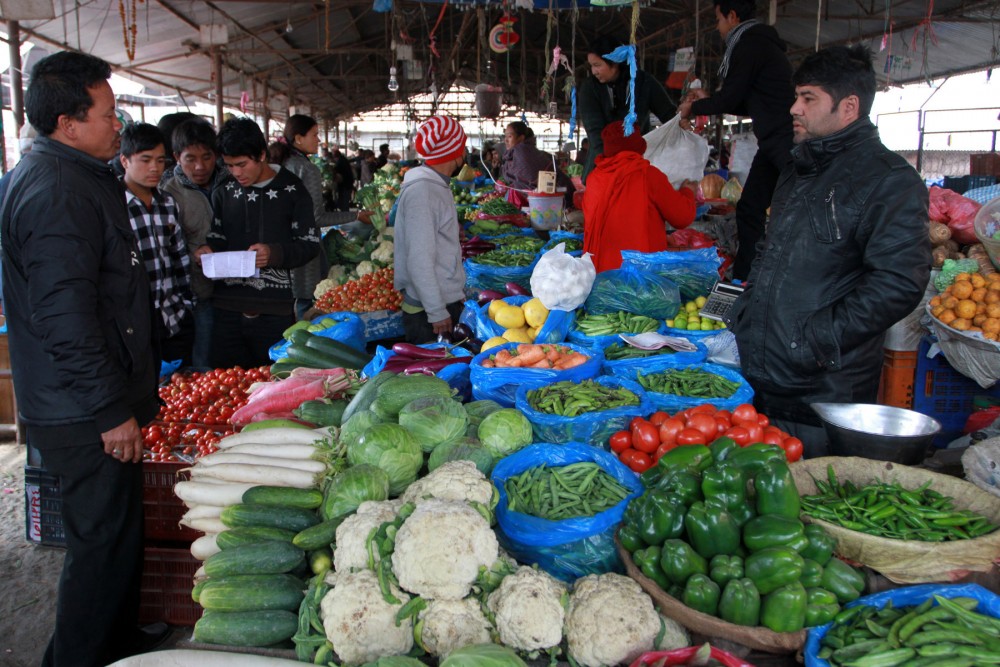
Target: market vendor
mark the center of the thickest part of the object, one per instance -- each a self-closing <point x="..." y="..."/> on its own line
<point x="428" y="256"/>
<point x="522" y="160"/>
<point x="603" y="97"/>
<point x="627" y="200"/>
<point x="846" y="255"/>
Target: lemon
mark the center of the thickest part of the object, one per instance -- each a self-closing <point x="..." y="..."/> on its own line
<point x="494" y="306"/>
<point x="707" y="325"/>
<point x="533" y="333"/>
<point x="694" y="326"/>
<point x="510" y="317"/>
<point x="721" y="325"/>
<point x="669" y="323"/>
<point x="517" y="335"/>
<point x="700" y="301"/>
<point x="535" y="313"/>
<point x="493" y="342"/>
<point x="691" y="307"/>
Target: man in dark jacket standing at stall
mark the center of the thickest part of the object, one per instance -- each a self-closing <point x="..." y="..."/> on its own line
<point x="80" y="341"/>
<point x="756" y="82"/>
<point x="846" y="255"/>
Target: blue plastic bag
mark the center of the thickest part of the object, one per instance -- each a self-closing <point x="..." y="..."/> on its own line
<point x="555" y="329"/>
<point x="989" y="604"/>
<point x="627" y="368"/>
<point x="349" y="330"/>
<point x="599" y="342"/>
<point x="501" y="384"/>
<point x="634" y="291"/>
<point x="557" y="237"/>
<point x="693" y="271"/>
<point x="167" y="368"/>
<point x="456" y="375"/>
<point x="592" y="428"/>
<point x="672" y="403"/>
<point x="565" y="549"/>
<point x="484" y="276"/>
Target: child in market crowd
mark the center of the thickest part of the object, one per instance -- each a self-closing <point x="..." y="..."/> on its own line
<point x="154" y="219"/>
<point x="428" y="256"/>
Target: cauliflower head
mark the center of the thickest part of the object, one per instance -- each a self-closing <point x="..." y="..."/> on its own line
<point x="528" y="610"/>
<point x="455" y="480"/>
<point x="364" y="268"/>
<point x="351" y="552"/>
<point x="440" y="548"/>
<point x="383" y="253"/>
<point x="360" y="624"/>
<point x="610" y="621"/>
<point x="445" y="625"/>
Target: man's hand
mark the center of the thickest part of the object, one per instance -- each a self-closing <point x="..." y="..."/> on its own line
<point x="691" y="185"/>
<point x="365" y="217"/>
<point x="443" y="327"/>
<point x="124" y="442"/>
<point x="684" y="110"/>
<point x="263" y="254"/>
<point x="696" y="94"/>
<point x="202" y="250"/>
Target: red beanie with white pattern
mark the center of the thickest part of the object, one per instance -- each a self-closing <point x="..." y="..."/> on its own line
<point x="439" y="139"/>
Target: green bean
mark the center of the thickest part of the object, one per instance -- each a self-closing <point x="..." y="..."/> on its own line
<point x="572" y="399"/>
<point x="615" y="323"/>
<point x="577" y="490"/>
<point x="690" y="382"/>
<point x="500" y="257"/>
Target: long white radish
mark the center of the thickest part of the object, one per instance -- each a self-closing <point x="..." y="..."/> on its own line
<point x="211" y="526"/>
<point x="200" y="574"/>
<point x="211" y="493"/>
<point x="272" y="436"/>
<point x="224" y="457"/>
<point x="300" y="452"/>
<point x="204" y="547"/>
<point x="258" y="475"/>
<point x="203" y="512"/>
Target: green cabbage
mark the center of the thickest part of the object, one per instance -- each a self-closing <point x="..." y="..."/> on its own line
<point x="483" y="655"/>
<point x="434" y="420"/>
<point x="466" y="449"/>
<point x="395" y="661"/>
<point x="355" y="427"/>
<point x="504" y="432"/>
<point x="391" y="448"/>
<point x="478" y="411"/>
<point x="352" y="487"/>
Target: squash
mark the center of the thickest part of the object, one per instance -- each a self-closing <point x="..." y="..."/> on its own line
<point x="711" y="186"/>
<point x="246" y="628"/>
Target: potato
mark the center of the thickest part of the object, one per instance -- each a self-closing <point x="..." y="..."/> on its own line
<point x="939" y="233"/>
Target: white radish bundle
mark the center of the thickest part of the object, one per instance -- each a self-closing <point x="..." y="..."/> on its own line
<point x="272" y="436"/>
<point x="216" y="492"/>
<point x="225" y="457"/>
<point x="203" y="548"/>
<point x="258" y="475"/>
<point x="299" y="452"/>
<point x="209" y="526"/>
<point x="203" y="512"/>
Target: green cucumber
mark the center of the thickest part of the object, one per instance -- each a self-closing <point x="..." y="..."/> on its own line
<point x="251" y="592"/>
<point x="261" y="558"/>
<point x="237" y="537"/>
<point x="366" y="395"/>
<point x="289" y="518"/>
<point x="318" y="536"/>
<point x="284" y="496"/>
<point x="322" y="412"/>
<point x="282" y="368"/>
<point x="246" y="628"/>
<point x="349" y="356"/>
<point x="310" y="357"/>
<point x="272" y="423"/>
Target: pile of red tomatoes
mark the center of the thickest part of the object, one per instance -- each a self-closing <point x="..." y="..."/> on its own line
<point x="370" y="292"/>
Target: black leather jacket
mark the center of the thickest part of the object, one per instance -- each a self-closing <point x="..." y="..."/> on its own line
<point x="77" y="299"/>
<point x="845" y="257"/>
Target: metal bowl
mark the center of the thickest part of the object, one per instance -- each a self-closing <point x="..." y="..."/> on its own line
<point x="877" y="432"/>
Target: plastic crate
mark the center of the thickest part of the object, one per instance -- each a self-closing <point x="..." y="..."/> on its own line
<point x="163" y="509"/>
<point x="167" y="579"/>
<point x="945" y="394"/>
<point x="899" y="371"/>
<point x="42" y="508"/>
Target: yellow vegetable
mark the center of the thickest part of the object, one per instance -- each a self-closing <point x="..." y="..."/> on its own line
<point x="495" y="306"/>
<point x="517" y="335"/>
<point x="535" y="313"/>
<point x="493" y="342"/>
<point x="510" y="317"/>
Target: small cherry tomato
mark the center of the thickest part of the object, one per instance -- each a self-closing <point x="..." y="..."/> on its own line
<point x="645" y="437"/>
<point x="763" y="420"/>
<point x="620" y="441"/>
<point x="691" y="436"/>
<point x="793" y="449"/>
<point x="637" y="461"/>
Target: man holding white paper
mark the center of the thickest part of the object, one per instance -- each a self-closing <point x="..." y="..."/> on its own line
<point x="266" y="210"/>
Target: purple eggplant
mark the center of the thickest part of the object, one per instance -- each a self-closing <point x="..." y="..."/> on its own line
<point x="432" y="366"/>
<point x="398" y="364"/>
<point x="416" y="352"/>
<point x="461" y="332"/>
<point x="488" y="295"/>
<point x="513" y="289"/>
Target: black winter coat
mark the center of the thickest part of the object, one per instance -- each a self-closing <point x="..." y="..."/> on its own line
<point x="77" y="299"/>
<point x="845" y="257"/>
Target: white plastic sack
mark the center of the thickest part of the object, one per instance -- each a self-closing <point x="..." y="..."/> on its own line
<point x="981" y="463"/>
<point x="741" y="157"/>
<point x="679" y="154"/>
<point x="561" y="281"/>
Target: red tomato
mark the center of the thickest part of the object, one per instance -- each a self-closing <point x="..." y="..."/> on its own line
<point x="755" y="430"/>
<point x="772" y="436"/>
<point x="691" y="436"/>
<point x="670" y="428"/>
<point x="658" y="417"/>
<point x="635" y="420"/>
<point x="739" y="435"/>
<point x="704" y="423"/>
<point x="724" y="414"/>
<point x="703" y="409"/>
<point x="645" y="436"/>
<point x="763" y="420"/>
<point x="636" y="460"/>
<point x="745" y="412"/>
<point x="793" y="449"/>
<point x="620" y="441"/>
<point x="722" y="425"/>
<point x="663" y="449"/>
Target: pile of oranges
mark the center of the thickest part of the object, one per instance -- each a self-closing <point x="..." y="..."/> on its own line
<point x="971" y="303"/>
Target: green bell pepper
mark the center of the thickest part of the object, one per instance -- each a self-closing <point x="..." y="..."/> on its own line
<point x="726" y="484"/>
<point x="821" y="545"/>
<point x="702" y="594"/>
<point x="784" y="609"/>
<point x="842" y="580"/>
<point x="740" y="603"/>
<point x="773" y="530"/>
<point x="630" y="539"/>
<point x="722" y="447"/>
<point x="711" y="529"/>
<point x="776" y="491"/>
<point x="821" y="606"/>
<point x="682" y="484"/>
<point x="753" y="458"/>
<point x="679" y="561"/>
<point x="812" y="573"/>
<point x="648" y="562"/>
<point x="693" y="458"/>
<point x="770" y="569"/>
<point x="660" y="517"/>
<point x="722" y="569"/>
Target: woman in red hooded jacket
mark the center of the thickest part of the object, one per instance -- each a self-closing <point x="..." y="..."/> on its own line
<point x="627" y="200"/>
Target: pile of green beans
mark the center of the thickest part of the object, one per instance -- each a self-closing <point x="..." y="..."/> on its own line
<point x="572" y="244"/>
<point x="575" y="490"/>
<point x="948" y="634"/>
<point x="889" y="510"/>
<point x="689" y="382"/>
<point x="503" y="258"/>
<point x="571" y="399"/>
<point x="615" y="323"/>
<point x="498" y="206"/>
<point x="519" y="242"/>
<point x="619" y="351"/>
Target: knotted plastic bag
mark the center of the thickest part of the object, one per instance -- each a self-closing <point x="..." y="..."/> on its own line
<point x="561" y="281"/>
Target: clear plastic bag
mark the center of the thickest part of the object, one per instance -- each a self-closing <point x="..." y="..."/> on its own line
<point x="555" y="329"/>
<point x="627" y="368"/>
<point x="349" y="330"/>
<point x="565" y="549"/>
<point x="673" y="403"/>
<point x="693" y="271"/>
<point x="634" y="290"/>
<point x="501" y="384"/>
<point x="561" y="281"/>
<point x="678" y="153"/>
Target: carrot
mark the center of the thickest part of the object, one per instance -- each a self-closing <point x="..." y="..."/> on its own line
<point x="571" y="361"/>
<point x="542" y="363"/>
<point x="553" y="353"/>
<point x="530" y="355"/>
<point x="503" y="356"/>
<point x="489" y="363"/>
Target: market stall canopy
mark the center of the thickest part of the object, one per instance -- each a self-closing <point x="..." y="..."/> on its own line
<point x="333" y="59"/>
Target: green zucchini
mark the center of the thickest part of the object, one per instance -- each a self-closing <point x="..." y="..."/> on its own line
<point x="283" y="496"/>
<point x="251" y="592"/>
<point x="246" y="628"/>
<point x="282" y="368"/>
<point x="310" y="357"/>
<point x="366" y="395"/>
<point x="349" y="356"/>
<point x="318" y="536"/>
<point x="322" y="412"/>
<point x="237" y="537"/>
<point x="288" y="518"/>
<point x="261" y="558"/>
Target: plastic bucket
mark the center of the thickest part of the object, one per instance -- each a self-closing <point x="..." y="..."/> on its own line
<point x="545" y="210"/>
<point x="987" y="228"/>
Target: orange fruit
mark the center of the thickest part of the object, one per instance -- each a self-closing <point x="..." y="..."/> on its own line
<point x="949" y="302"/>
<point x="966" y="309"/>
<point x="935" y="301"/>
<point x="947" y="316"/>
<point x="993" y="310"/>
<point x="991" y="325"/>
<point x="978" y="280"/>
<point x="961" y="289"/>
<point x="978" y="294"/>
<point x="960" y="323"/>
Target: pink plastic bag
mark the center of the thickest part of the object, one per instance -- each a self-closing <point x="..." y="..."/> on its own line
<point x="683" y="656"/>
<point x="956" y="211"/>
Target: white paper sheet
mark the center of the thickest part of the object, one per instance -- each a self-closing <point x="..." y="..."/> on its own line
<point x="237" y="264"/>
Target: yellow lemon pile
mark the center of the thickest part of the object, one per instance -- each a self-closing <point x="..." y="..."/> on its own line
<point x="520" y="323"/>
<point x="688" y="318"/>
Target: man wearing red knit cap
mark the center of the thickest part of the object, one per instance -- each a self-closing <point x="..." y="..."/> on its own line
<point x="627" y="199"/>
<point x="428" y="255"/>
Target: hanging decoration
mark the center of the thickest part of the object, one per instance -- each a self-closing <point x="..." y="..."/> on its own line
<point x="502" y="36"/>
<point x="129" y="27"/>
<point x="626" y="54"/>
<point x="244" y="102"/>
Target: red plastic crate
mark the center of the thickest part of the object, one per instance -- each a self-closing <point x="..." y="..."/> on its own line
<point x="167" y="580"/>
<point x="162" y="508"/>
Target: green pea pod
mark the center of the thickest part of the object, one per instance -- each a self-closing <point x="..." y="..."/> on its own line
<point x="821" y="545"/>
<point x="740" y="603"/>
<point x="711" y="529"/>
<point x="648" y="562"/>
<point x="679" y="561"/>
<point x="812" y="573"/>
<point x="722" y="569"/>
<point x="842" y="580"/>
<point x="784" y="609"/>
<point x="660" y="517"/>
<point x="776" y="491"/>
<point x="770" y="569"/>
<point x="821" y="606"/>
<point x="702" y="594"/>
<point x="772" y="530"/>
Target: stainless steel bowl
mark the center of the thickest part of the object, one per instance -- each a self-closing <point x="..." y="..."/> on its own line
<point x="877" y="432"/>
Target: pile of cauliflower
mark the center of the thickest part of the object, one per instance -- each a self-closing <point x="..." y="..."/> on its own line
<point x="451" y="586"/>
<point x="381" y="249"/>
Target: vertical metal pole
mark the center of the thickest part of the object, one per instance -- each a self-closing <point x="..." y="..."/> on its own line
<point x="267" y="110"/>
<point x="217" y="72"/>
<point x="16" y="85"/>
<point x="920" y="142"/>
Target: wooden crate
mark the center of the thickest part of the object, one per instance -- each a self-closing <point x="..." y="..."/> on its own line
<point x="8" y="407"/>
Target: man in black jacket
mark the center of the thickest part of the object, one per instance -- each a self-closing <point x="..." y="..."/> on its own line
<point x="846" y="255"/>
<point x="756" y="82"/>
<point x="84" y="368"/>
